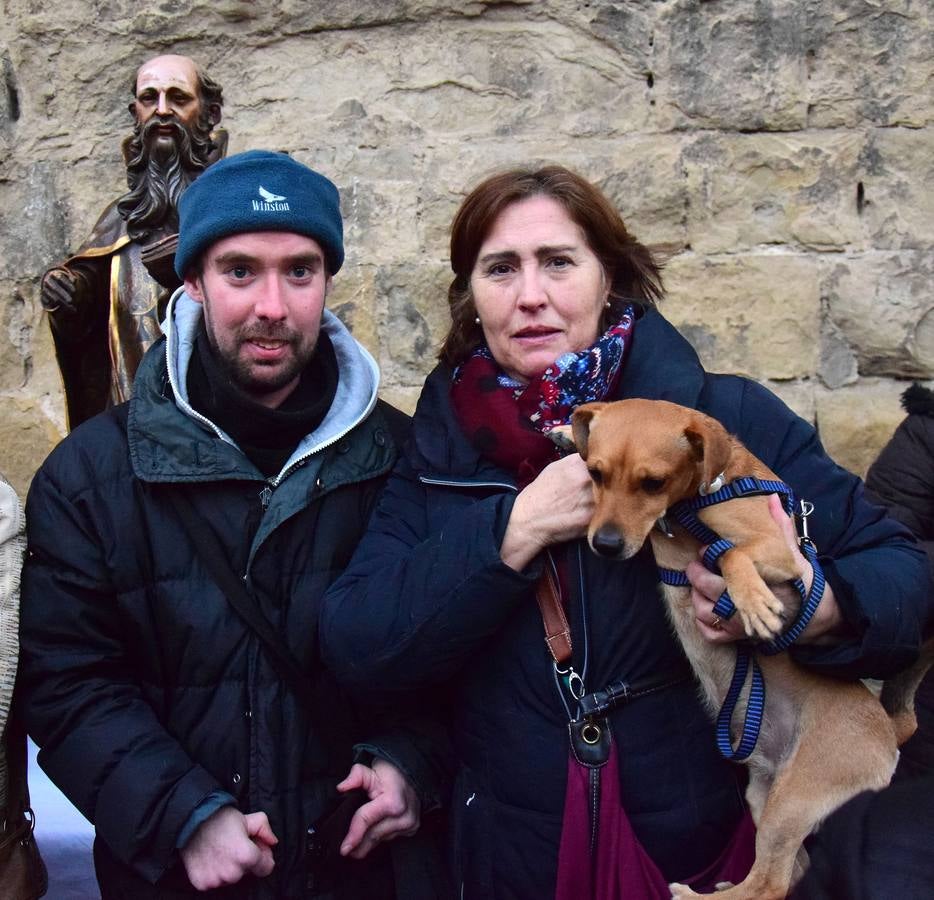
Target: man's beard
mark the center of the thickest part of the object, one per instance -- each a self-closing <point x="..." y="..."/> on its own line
<point x="252" y="378"/>
<point x="158" y="173"/>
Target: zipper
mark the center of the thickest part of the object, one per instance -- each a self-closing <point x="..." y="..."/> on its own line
<point x="444" y="482"/>
<point x="275" y="482"/>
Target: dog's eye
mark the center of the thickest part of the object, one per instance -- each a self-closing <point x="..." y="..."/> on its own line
<point x="652" y="485"/>
<point x="596" y="475"/>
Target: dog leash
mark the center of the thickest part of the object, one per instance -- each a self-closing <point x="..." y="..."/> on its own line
<point x="685" y="514"/>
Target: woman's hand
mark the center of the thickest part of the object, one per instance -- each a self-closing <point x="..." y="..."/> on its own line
<point x="557" y="506"/>
<point x="706" y="589"/>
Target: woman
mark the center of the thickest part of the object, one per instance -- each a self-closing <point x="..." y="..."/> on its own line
<point x="553" y="305"/>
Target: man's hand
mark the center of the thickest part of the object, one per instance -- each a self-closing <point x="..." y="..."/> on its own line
<point x="227" y="846"/>
<point x="59" y="287"/>
<point x="394" y="809"/>
<point x="706" y="589"/>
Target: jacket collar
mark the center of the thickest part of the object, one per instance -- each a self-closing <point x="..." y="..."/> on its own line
<point x="161" y="415"/>
<point x="662" y="365"/>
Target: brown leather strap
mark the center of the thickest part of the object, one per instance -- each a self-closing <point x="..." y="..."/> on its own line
<point x="557" y="631"/>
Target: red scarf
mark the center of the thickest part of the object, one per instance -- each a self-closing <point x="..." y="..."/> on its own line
<point x="507" y="421"/>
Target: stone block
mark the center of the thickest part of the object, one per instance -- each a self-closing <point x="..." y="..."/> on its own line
<point x="353" y="301"/>
<point x="856" y="422"/>
<point x="753" y="190"/>
<point x="883" y="306"/>
<point x="754" y="315"/>
<point x="27" y="436"/>
<point x="869" y="63"/>
<point x="896" y="206"/>
<point x="733" y="66"/>
<point x="413" y="321"/>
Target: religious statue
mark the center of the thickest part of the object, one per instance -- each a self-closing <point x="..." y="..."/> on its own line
<point x="106" y="301"/>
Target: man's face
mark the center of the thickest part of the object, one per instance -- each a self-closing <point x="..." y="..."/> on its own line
<point x="167" y="87"/>
<point x="263" y="295"/>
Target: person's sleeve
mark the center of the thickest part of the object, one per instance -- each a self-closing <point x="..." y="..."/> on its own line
<point x="100" y="740"/>
<point x="902" y="478"/>
<point x="415" y="740"/>
<point x="425" y="590"/>
<point x="879" y="574"/>
<point x="202" y="812"/>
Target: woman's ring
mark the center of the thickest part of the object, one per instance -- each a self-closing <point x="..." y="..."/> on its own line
<point x="715" y="624"/>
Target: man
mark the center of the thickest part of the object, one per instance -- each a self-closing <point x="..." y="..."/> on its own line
<point x="157" y="710"/>
<point x="106" y="301"/>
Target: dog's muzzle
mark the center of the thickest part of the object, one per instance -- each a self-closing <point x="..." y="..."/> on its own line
<point x="607" y="541"/>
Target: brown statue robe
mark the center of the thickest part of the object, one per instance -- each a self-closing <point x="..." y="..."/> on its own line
<point x="118" y="309"/>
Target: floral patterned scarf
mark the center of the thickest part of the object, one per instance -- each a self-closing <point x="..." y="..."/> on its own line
<point x="508" y="421"/>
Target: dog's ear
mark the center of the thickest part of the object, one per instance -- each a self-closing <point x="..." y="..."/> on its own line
<point x="563" y="438"/>
<point x="710" y="447"/>
<point x="581" y="423"/>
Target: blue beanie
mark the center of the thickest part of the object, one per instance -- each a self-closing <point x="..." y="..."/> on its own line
<point x="258" y="191"/>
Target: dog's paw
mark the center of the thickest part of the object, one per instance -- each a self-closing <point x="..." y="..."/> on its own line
<point x="761" y="612"/>
<point x="680" y="891"/>
<point x="563" y="438"/>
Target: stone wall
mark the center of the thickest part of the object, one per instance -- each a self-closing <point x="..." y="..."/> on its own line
<point x="781" y="150"/>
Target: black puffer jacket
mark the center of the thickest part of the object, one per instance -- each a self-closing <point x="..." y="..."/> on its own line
<point x="902" y="480"/>
<point x="143" y="689"/>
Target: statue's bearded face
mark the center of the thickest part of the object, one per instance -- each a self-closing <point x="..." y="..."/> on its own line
<point x="167" y="86"/>
<point x="170" y="145"/>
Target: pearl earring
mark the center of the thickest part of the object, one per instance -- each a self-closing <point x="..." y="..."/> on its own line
<point x="606" y="304"/>
<point x="476" y="320"/>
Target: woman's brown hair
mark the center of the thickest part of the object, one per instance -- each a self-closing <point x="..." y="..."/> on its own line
<point x="632" y="270"/>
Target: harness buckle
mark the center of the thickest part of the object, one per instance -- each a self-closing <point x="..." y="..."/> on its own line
<point x="711" y="488"/>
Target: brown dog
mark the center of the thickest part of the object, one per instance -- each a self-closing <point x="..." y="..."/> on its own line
<point x="822" y="741"/>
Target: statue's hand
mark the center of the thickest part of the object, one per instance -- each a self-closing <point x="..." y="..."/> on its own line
<point x="59" y="290"/>
<point x="159" y="260"/>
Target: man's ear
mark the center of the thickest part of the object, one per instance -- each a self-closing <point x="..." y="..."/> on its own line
<point x="581" y="423"/>
<point x="328" y="284"/>
<point x="193" y="289"/>
<point x="214" y="112"/>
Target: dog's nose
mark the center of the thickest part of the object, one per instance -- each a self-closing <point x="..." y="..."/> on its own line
<point x="607" y="541"/>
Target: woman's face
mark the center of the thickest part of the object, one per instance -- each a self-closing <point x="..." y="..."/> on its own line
<point x="538" y="287"/>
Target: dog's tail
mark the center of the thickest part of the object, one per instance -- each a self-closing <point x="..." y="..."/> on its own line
<point x="898" y="694"/>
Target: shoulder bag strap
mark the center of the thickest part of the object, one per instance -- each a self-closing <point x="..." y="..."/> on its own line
<point x="205" y="541"/>
<point x="557" y="631"/>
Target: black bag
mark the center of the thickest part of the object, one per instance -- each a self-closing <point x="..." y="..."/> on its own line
<point x="23" y="875"/>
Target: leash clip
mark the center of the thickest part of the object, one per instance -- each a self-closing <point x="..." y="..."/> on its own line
<point x="661" y="523"/>
<point x="805" y="508"/>
<point x="574" y="682"/>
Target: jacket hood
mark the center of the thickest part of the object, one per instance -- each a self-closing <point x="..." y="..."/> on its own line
<point x="193" y="436"/>
<point x="918" y="400"/>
